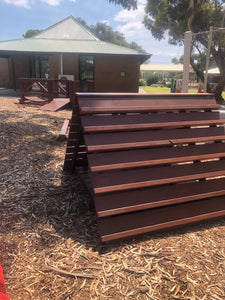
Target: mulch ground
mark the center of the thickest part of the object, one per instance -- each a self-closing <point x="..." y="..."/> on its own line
<point x="49" y="245"/>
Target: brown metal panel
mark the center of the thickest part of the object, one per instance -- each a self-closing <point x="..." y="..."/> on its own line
<point x="67" y="164"/>
<point x="69" y="155"/>
<point x="141" y="199"/>
<point x="152" y="176"/>
<point x="72" y="135"/>
<point x="55" y="104"/>
<point x="120" y="104"/>
<point x="71" y="143"/>
<point x="90" y="129"/>
<point x="141" y="190"/>
<point x="138" y="96"/>
<point x="160" y="218"/>
<point x="106" y="161"/>
<point x="147" y="108"/>
<point x="143" y="102"/>
<point x="100" y="123"/>
<point x="134" y="139"/>
<point x="74" y="126"/>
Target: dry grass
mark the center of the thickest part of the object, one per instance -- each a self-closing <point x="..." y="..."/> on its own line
<point x="49" y="247"/>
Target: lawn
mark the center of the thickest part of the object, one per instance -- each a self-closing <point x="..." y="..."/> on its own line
<point x="149" y="89"/>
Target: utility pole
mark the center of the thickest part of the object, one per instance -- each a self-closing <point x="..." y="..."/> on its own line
<point x="186" y="65"/>
<point x="207" y="58"/>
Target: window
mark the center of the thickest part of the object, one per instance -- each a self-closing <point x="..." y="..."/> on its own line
<point x="39" y="67"/>
<point x="86" y="67"/>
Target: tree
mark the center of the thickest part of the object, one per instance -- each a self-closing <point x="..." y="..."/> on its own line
<point x="152" y="78"/>
<point x="175" y="61"/>
<point x="128" y="4"/>
<point x="31" y="32"/>
<point x="172" y="18"/>
<point x="105" y="33"/>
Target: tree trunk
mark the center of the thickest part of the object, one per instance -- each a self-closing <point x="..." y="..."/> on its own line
<point x="199" y="74"/>
<point x="219" y="90"/>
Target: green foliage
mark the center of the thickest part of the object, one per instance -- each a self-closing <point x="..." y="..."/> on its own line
<point x="105" y="33"/>
<point x="178" y="76"/>
<point x="172" y="18"/>
<point x="151" y="79"/>
<point x="142" y="82"/>
<point x="158" y="85"/>
<point x="175" y="61"/>
<point x="168" y="84"/>
<point x="200" y="60"/>
<point x="31" y="32"/>
<point x="82" y="22"/>
<point x="128" y="4"/>
<point x="135" y="46"/>
<point x="167" y="17"/>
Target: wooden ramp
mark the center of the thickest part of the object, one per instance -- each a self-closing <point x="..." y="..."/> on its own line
<point x="55" y="104"/>
<point x="151" y="161"/>
<point x="35" y="100"/>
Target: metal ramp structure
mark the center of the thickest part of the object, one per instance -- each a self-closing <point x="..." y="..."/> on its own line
<point x="151" y="161"/>
<point x="56" y="104"/>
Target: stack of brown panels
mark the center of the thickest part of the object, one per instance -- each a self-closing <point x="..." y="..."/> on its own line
<point x="155" y="161"/>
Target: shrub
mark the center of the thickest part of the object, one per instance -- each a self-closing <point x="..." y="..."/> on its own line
<point x="168" y="84"/>
<point x="142" y="82"/>
<point x="151" y="79"/>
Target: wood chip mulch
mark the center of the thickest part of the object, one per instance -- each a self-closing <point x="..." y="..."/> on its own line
<point x="49" y="245"/>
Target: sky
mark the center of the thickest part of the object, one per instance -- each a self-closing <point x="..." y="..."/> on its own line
<point x="17" y="16"/>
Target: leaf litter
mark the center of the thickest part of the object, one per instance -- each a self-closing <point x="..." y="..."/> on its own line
<point x="49" y="244"/>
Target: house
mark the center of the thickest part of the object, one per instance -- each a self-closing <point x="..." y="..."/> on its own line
<point x="68" y="49"/>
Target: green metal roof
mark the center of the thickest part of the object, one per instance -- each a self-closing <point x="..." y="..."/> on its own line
<point x="66" y="46"/>
<point x="67" y="36"/>
<point x="68" y="29"/>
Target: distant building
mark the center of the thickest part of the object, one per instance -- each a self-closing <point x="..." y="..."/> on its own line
<point x="161" y="68"/>
<point x="69" y="49"/>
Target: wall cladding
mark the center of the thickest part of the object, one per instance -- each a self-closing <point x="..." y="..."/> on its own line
<point x="4" y="72"/>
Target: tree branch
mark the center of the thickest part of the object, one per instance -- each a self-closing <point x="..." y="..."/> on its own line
<point x="77" y="274"/>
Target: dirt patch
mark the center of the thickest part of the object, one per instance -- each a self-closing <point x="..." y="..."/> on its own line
<point x="49" y="246"/>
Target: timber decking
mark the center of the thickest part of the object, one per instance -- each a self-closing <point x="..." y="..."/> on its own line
<point x="153" y="161"/>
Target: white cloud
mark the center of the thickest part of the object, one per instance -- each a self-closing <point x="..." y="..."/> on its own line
<point x="132" y="20"/>
<point x="30" y="3"/>
<point x="20" y="3"/>
<point x="52" y="2"/>
<point x="166" y="54"/>
<point x="106" y="22"/>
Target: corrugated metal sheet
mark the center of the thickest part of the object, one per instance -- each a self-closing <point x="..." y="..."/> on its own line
<point x="67" y="36"/>
<point x="68" y="28"/>
<point x="162" y="68"/>
<point x="66" y="46"/>
<point x="214" y="71"/>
